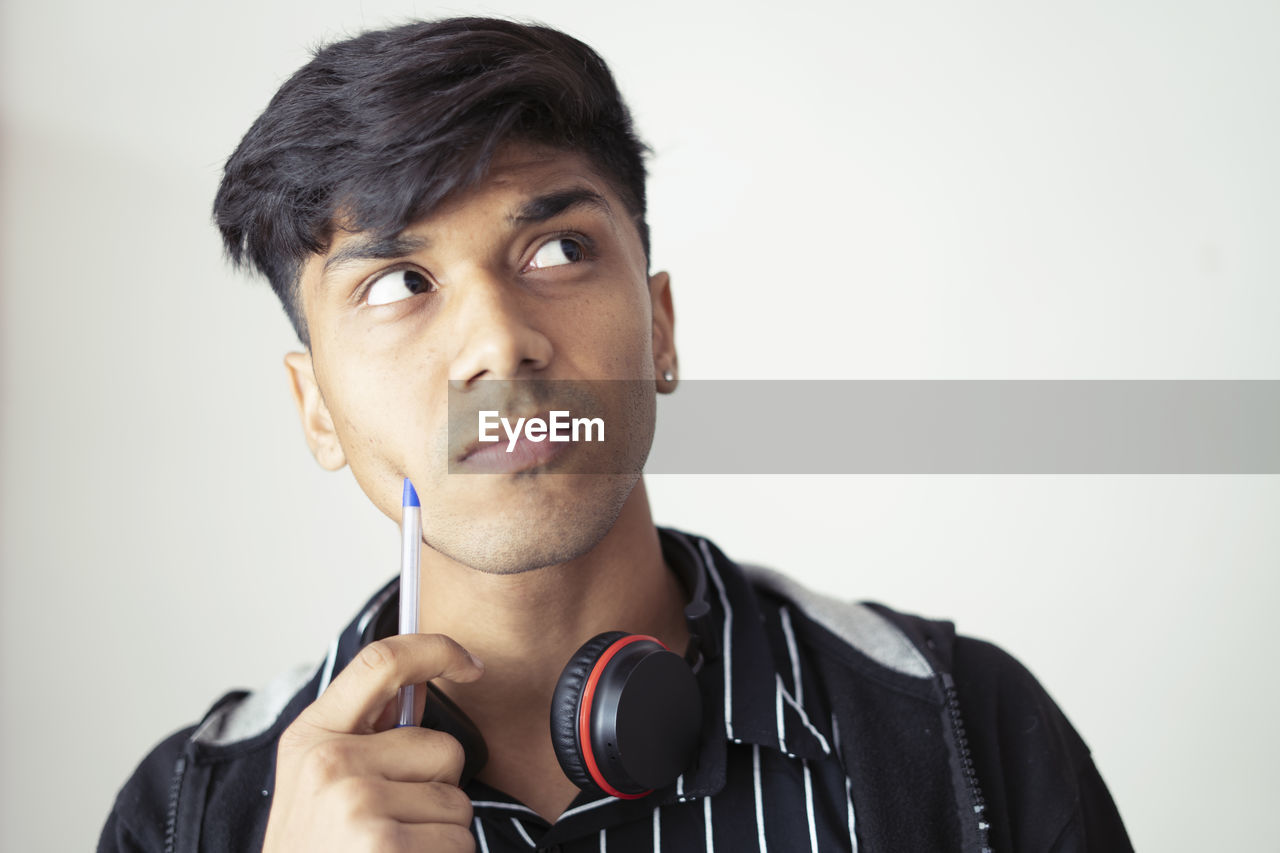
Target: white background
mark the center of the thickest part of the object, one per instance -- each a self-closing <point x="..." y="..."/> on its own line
<point x="851" y="190"/>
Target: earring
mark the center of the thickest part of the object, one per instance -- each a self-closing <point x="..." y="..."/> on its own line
<point x="668" y="376"/>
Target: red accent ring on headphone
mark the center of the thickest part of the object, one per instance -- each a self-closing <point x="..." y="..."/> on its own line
<point x="584" y="717"/>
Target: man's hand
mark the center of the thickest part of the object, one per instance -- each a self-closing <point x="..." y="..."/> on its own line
<point x="347" y="780"/>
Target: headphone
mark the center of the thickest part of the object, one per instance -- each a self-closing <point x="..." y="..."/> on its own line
<point x="626" y="714"/>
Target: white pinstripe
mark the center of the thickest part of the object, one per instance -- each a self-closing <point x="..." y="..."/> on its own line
<point x="585" y="807"/>
<point x="657" y="831"/>
<point x="328" y="667"/>
<point x="706" y="816"/>
<point x="755" y="769"/>
<point x="523" y="834"/>
<point x="798" y="702"/>
<point x="604" y="848"/>
<point x="804" y="718"/>
<point x="782" y="728"/>
<point x="848" y="788"/>
<point x="515" y="807"/>
<point x="374" y="607"/>
<point x="808" y="807"/>
<point x="791" y="651"/>
<point x="484" y="842"/>
<point x="853" y="835"/>
<point x="727" y="650"/>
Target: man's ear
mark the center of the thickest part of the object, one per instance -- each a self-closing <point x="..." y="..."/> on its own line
<point x="317" y="424"/>
<point x="664" y="331"/>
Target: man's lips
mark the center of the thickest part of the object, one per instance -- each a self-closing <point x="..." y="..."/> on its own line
<point x="477" y="445"/>
<point x="494" y="458"/>
<point x="512" y="420"/>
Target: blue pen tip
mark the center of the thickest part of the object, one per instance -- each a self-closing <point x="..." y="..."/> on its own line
<point x="410" y="496"/>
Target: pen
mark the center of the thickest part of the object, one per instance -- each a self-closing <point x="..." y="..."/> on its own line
<point x="410" y="552"/>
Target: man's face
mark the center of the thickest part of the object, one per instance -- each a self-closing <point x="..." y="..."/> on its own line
<point x="535" y="275"/>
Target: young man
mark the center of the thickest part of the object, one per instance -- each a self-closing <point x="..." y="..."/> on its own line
<point x="453" y="214"/>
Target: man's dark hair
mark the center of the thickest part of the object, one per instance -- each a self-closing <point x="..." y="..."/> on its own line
<point x="374" y="132"/>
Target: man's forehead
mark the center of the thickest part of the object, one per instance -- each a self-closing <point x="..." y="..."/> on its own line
<point x="518" y="178"/>
<point x="514" y="162"/>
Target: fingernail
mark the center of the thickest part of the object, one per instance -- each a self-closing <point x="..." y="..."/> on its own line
<point x="475" y="660"/>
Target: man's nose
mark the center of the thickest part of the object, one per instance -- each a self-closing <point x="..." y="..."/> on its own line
<point x="498" y="338"/>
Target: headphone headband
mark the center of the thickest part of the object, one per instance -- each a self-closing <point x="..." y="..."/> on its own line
<point x="688" y="566"/>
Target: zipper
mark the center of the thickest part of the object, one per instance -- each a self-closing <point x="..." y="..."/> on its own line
<point x="171" y="818"/>
<point x="966" y="765"/>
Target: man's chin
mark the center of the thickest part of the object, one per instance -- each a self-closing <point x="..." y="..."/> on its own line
<point x="528" y="535"/>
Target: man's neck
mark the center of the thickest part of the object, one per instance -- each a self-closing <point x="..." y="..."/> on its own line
<point x="525" y="627"/>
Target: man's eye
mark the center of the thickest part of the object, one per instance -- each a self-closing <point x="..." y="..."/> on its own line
<point x="396" y="285"/>
<point x="557" y="252"/>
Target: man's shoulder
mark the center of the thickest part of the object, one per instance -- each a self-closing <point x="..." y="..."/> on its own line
<point x="138" y="819"/>
<point x="862" y="632"/>
<point x="907" y="643"/>
<point x="237" y="733"/>
<point x="245" y="716"/>
<point x="1042" y="790"/>
<point x="904" y="643"/>
<point x="224" y="766"/>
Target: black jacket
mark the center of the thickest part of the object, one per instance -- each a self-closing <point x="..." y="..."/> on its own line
<point x="947" y="742"/>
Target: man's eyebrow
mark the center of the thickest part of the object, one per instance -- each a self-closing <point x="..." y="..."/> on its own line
<point x="535" y="210"/>
<point x="544" y="207"/>
<point x="374" y="249"/>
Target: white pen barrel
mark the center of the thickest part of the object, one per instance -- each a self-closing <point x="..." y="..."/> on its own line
<point x="410" y="553"/>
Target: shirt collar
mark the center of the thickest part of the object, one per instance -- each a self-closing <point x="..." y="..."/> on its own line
<point x="748" y="691"/>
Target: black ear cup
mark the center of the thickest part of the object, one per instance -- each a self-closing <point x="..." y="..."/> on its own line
<point x="565" y="702"/>
<point x="626" y="715"/>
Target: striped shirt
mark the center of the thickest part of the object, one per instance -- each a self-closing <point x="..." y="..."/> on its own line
<point x="767" y="775"/>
